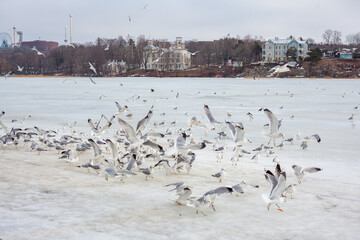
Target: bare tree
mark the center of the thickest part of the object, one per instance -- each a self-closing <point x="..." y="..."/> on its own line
<point x="327" y="36"/>
<point x="336" y="38"/>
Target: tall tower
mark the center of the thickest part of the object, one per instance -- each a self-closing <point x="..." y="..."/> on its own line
<point x="14" y="28"/>
<point x="65" y="40"/>
<point x="70" y="28"/>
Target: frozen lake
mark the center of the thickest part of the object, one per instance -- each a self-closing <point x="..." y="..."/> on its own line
<point x="42" y="197"/>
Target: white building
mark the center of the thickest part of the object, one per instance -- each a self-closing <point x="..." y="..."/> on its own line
<point x="274" y="50"/>
<point x="177" y="57"/>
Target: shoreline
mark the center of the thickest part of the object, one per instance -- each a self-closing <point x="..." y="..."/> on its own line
<point x="117" y="76"/>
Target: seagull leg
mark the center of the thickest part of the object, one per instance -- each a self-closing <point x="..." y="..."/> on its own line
<point x="269" y="141"/>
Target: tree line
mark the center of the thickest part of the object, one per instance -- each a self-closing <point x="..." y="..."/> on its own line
<point x="74" y="59"/>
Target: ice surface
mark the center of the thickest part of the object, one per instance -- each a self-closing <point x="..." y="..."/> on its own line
<point x="42" y="197"/>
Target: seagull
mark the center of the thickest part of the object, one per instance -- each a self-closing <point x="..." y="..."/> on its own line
<point x="120" y="109"/>
<point x="237" y="131"/>
<point x="6" y="75"/>
<point x="143" y="122"/>
<point x="20" y="69"/>
<point x="38" y="53"/>
<point x="308" y="139"/>
<point x="194" y="53"/>
<point x="130" y="20"/>
<point x="250" y="115"/>
<point x="277" y="187"/>
<point x="92" y="68"/>
<point x="300" y="172"/>
<point x="220" y="175"/>
<point x="274" y="126"/>
<point x="147" y="171"/>
<point x="289" y="189"/>
<point x="106" y="48"/>
<point x="351" y="118"/>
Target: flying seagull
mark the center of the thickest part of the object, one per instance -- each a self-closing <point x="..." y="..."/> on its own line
<point x="300" y="172"/>
<point x="92" y="68"/>
<point x="274" y="126"/>
<point x="277" y="187"/>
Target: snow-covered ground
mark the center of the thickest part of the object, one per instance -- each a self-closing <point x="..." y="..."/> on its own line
<point x="42" y="197"/>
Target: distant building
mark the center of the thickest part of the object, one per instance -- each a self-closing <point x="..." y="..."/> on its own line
<point x="177" y="57"/>
<point x="41" y="45"/>
<point x="274" y="50"/>
<point x="346" y="55"/>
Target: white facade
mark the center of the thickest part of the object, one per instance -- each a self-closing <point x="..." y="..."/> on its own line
<point x="177" y="57"/>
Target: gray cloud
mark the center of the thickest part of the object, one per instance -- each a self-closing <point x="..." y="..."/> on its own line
<point x="200" y="19"/>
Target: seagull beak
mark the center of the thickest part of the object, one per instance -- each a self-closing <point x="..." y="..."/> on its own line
<point x="280" y="209"/>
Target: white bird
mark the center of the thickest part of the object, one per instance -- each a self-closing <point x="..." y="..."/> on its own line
<point x="274" y="126"/>
<point x="130" y="20"/>
<point x="300" y="172"/>
<point x="289" y="190"/>
<point x="37" y="51"/>
<point x="20" y="69"/>
<point x="120" y="109"/>
<point x="237" y="132"/>
<point x="277" y="187"/>
<point x="194" y="53"/>
<point x="107" y="48"/>
<point x="92" y="68"/>
<point x="6" y="75"/>
<point x="308" y="139"/>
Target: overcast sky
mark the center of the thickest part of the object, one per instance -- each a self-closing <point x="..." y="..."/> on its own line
<point x="190" y="19"/>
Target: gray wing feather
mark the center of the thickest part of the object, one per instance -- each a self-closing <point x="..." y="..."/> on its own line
<point x="274" y="122"/>
<point x="312" y="169"/>
<point x="209" y="114"/>
<point x="130" y="133"/>
<point x="280" y="187"/>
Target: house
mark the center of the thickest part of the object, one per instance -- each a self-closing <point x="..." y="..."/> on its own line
<point x="274" y="50"/>
<point x="177" y="57"/>
<point x="346" y="54"/>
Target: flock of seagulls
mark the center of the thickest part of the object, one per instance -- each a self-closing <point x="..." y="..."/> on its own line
<point x="142" y="150"/>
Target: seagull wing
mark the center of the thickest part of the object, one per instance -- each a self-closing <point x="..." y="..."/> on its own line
<point x="280" y="186"/>
<point x="181" y="140"/>
<point x="153" y="145"/>
<point x="131" y="163"/>
<point x="219" y="191"/>
<point x="272" y="180"/>
<point x="143" y="122"/>
<point x="209" y="114"/>
<point x="232" y="128"/>
<point x="316" y="137"/>
<point x="113" y="148"/>
<point x="274" y="122"/>
<point x="239" y="133"/>
<point x="130" y="133"/>
<point x="95" y="147"/>
<point x="237" y="188"/>
<point x="312" y="169"/>
<point x="297" y="169"/>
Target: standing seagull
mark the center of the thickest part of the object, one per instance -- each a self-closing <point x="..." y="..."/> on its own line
<point x="92" y="68"/>
<point x="220" y="175"/>
<point x="274" y="126"/>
